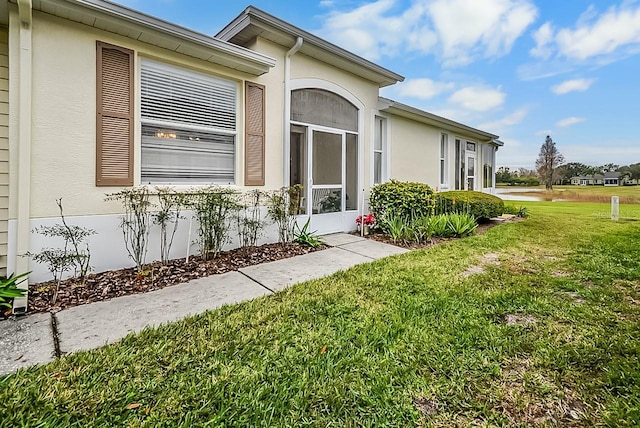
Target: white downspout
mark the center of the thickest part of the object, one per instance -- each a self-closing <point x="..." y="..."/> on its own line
<point x="286" y="173"/>
<point x="23" y="195"/>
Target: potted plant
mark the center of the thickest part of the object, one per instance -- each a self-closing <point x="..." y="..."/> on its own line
<point x="365" y="222"/>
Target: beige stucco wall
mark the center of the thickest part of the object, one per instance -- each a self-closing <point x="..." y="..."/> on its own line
<point x="414" y="151"/>
<point x="307" y="69"/>
<point x="366" y="92"/>
<point x="64" y="108"/>
<point x="4" y="147"/>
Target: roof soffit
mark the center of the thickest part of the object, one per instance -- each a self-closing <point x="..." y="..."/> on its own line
<point x="129" y="23"/>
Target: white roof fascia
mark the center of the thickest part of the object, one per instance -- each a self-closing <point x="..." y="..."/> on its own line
<point x="250" y="61"/>
<point x="399" y="109"/>
<point x="253" y="15"/>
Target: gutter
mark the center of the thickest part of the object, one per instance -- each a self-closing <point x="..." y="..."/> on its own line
<point x="23" y="194"/>
<point x="287" y="111"/>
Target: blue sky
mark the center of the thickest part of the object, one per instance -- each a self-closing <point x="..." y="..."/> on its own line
<point x="521" y="69"/>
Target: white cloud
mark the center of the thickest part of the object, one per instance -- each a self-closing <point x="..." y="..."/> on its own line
<point x="615" y="32"/>
<point x="458" y="31"/>
<point x="469" y="28"/>
<point x="327" y="3"/>
<point x="543" y="37"/>
<point x="570" y="121"/>
<point x="422" y="88"/>
<point x="478" y="98"/>
<point x="567" y="86"/>
<point x="601" y="35"/>
<point x="497" y="126"/>
<point x="544" y="132"/>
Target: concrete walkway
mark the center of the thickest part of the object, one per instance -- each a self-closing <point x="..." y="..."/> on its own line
<point x="39" y="338"/>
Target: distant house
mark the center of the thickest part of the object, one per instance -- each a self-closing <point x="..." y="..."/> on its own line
<point x="612" y="179"/>
<point x="588" y="180"/>
<point x="606" y="179"/>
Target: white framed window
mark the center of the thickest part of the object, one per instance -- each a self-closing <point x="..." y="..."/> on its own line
<point x="444" y="161"/>
<point x="380" y="150"/>
<point x="488" y="160"/>
<point x="188" y="126"/>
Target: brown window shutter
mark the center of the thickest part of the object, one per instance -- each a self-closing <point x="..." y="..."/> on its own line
<point x="114" y="110"/>
<point x="254" y="135"/>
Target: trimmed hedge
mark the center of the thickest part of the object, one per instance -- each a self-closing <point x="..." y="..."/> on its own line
<point x="480" y="205"/>
<point x="401" y="198"/>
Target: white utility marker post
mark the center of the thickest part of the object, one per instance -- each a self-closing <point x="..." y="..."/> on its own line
<point x="615" y="208"/>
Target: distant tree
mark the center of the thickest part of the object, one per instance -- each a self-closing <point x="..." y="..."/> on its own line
<point x="504" y="175"/>
<point x="525" y="172"/>
<point x="575" y="169"/>
<point x="609" y="167"/>
<point x="635" y="170"/>
<point x="548" y="162"/>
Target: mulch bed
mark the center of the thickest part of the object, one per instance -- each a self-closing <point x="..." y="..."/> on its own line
<point x="110" y="284"/>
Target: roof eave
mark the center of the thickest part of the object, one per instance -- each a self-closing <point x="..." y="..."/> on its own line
<point x="230" y="55"/>
<point x="400" y="109"/>
<point x="253" y="16"/>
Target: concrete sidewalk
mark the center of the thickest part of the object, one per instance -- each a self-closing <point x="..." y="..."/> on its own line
<point x="38" y="338"/>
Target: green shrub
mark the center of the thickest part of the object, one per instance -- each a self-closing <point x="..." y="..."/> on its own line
<point x="440" y="226"/>
<point x="480" y="205"/>
<point x="401" y="198"/>
<point x="516" y="210"/>
<point x="393" y="225"/>
<point x="9" y="289"/>
<point x="302" y="235"/>
<point x="461" y="224"/>
<point x="421" y="229"/>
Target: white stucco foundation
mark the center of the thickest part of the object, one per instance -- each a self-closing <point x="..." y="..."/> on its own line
<point x="107" y="247"/>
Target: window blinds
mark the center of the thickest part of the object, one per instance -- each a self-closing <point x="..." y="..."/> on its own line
<point x="175" y="95"/>
<point x="188" y="126"/>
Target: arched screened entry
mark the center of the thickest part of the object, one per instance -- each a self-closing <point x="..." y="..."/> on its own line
<point x="324" y="157"/>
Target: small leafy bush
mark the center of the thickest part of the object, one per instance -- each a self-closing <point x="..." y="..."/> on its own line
<point x="480" y="205"/>
<point x="214" y="208"/>
<point x="401" y="199"/>
<point x="282" y="207"/>
<point x="135" y="223"/>
<point x="518" y="211"/>
<point x="9" y="289"/>
<point x="249" y="220"/>
<point x="461" y="224"/>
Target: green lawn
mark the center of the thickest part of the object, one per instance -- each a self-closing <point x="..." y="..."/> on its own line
<point x="402" y="341"/>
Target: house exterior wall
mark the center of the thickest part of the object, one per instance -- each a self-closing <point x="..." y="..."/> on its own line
<point x="64" y="114"/>
<point x="414" y="151"/>
<point x="63" y="135"/>
<point x="63" y="143"/>
<point x="4" y="148"/>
